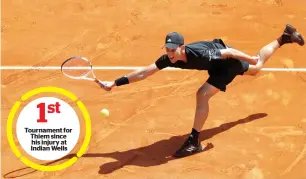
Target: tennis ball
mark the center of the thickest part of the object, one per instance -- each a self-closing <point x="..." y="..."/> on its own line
<point x="105" y="112"/>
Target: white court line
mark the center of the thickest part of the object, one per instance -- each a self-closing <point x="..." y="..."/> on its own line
<point x="130" y="68"/>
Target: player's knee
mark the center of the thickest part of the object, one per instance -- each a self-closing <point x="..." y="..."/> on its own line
<point x="203" y="94"/>
<point x="257" y="69"/>
<point x="254" y="70"/>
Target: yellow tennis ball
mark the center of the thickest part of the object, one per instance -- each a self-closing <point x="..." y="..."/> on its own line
<point x="105" y="112"/>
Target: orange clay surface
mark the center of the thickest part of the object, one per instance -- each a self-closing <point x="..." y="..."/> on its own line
<point x="256" y="130"/>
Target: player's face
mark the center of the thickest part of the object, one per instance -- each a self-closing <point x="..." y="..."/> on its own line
<point x="173" y="54"/>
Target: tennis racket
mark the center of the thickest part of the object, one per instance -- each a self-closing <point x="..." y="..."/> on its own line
<point x="79" y="68"/>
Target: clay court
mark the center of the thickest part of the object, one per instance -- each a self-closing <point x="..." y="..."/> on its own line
<point x="256" y="130"/>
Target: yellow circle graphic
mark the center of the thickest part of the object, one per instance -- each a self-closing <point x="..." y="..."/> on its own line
<point x="9" y="128"/>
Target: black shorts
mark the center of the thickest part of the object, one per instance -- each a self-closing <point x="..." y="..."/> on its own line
<point x="223" y="72"/>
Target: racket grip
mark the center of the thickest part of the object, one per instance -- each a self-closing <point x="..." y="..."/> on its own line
<point x="99" y="82"/>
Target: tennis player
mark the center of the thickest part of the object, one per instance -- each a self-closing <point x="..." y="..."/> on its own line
<point x="223" y="64"/>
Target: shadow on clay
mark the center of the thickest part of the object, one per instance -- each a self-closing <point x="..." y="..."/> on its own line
<point x="157" y="153"/>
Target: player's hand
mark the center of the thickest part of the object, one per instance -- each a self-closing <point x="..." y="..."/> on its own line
<point x="255" y="59"/>
<point x="107" y="85"/>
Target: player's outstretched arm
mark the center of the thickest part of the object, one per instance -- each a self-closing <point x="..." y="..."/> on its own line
<point x="233" y="53"/>
<point x="132" y="77"/>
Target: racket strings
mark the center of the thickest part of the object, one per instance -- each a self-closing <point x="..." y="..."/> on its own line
<point x="76" y="67"/>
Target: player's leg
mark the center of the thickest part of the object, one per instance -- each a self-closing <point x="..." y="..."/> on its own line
<point x="204" y="93"/>
<point x="265" y="53"/>
<point x="192" y="144"/>
<point x="290" y="35"/>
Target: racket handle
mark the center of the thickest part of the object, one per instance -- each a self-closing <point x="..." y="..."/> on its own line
<point x="99" y="82"/>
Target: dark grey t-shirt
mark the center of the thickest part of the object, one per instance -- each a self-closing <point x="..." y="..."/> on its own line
<point x="199" y="55"/>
